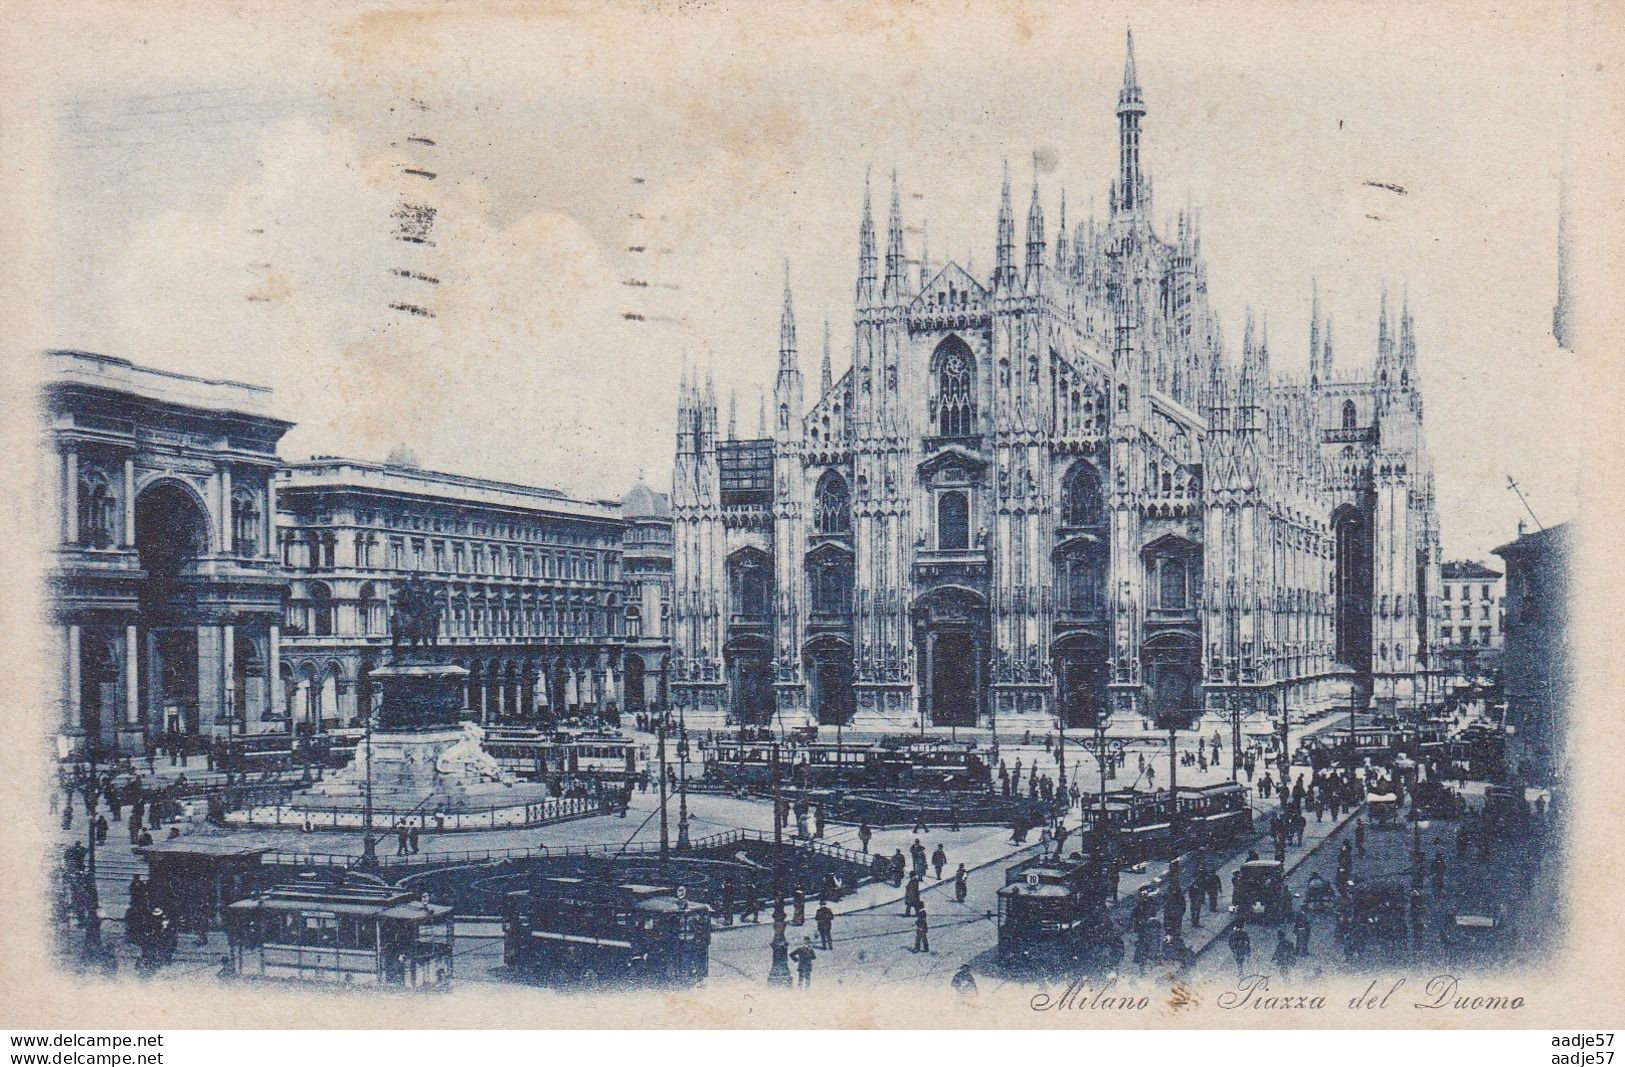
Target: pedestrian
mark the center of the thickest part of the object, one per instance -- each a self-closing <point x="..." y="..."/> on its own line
<point x="1211" y="885"/>
<point x="753" y="905"/>
<point x="911" y="897"/>
<point x="1194" y="894"/>
<point x="963" y="982"/>
<point x="804" y="957"/>
<point x="899" y="867"/>
<point x="960" y="887"/>
<point x="1241" y="946"/>
<point x="922" y="930"/>
<point x="939" y="860"/>
<point x="824" y="919"/>
<point x="401" y="839"/>
<point x="917" y="852"/>
<point x="412" y="840"/>
<point x="1301" y="928"/>
<point x="818" y="820"/>
<point x="101" y="829"/>
<point x="919" y="823"/>
<point x="1359" y="836"/>
<point x="1284" y="957"/>
<point x="799" y="908"/>
<point x="864" y="834"/>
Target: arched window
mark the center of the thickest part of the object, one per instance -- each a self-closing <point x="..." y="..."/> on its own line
<point x="1350" y="415"/>
<point x="97" y="509"/>
<point x="365" y="601"/>
<point x="832" y="505"/>
<point x="831" y="584"/>
<point x="321" y="610"/>
<point x="245" y="522"/>
<point x="956" y="389"/>
<point x="752" y="581"/>
<point x="1081" y="501"/>
<point x="1082" y="581"/>
<point x="953" y="521"/>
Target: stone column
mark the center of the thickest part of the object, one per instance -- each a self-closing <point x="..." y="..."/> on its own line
<point x="132" y="677"/>
<point x="70" y="495"/>
<point x="228" y="674"/>
<point x="271" y="547"/>
<point x="129" y="501"/>
<point x="226" y="546"/>
<point x="273" y="665"/>
<point x="74" y="687"/>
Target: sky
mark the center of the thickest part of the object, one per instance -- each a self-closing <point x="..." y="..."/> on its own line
<point x="222" y="187"/>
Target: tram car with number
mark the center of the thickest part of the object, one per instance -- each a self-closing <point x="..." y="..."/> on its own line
<point x="356" y="935"/>
<point x="1215" y="815"/>
<point x="577" y="931"/>
<point x="1057" y="914"/>
<point x="734" y="762"/>
<point x="823" y="765"/>
<point x="1134" y="826"/>
<point x="525" y="752"/>
<point x="921" y="763"/>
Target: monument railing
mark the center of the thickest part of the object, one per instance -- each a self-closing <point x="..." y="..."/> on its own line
<point x="289" y="858"/>
<point x="283" y="811"/>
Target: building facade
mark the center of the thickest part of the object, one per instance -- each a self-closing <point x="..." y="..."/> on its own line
<point x="530" y="579"/>
<point x="646" y="574"/>
<point x="1044" y="492"/>
<point x="164" y="587"/>
<point x="1470" y="618"/>
<point x="1537" y="651"/>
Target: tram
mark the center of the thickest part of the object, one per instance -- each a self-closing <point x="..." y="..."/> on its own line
<point x="927" y="763"/>
<point x="341" y="934"/>
<point x="525" y="752"/>
<point x="1381" y="745"/>
<point x="1058" y="913"/>
<point x="606" y="758"/>
<point x="1215" y="815"/>
<point x="738" y="762"/>
<point x="567" y="931"/>
<point x="254" y="753"/>
<point x="1136" y="826"/>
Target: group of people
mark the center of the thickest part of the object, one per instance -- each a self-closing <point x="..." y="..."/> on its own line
<point x="142" y="808"/>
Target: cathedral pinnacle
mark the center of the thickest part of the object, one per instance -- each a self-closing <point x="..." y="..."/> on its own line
<point x="896" y="263"/>
<point x="826" y="375"/>
<point x="866" y="249"/>
<point x="1004" y="271"/>
<point x="787" y="325"/>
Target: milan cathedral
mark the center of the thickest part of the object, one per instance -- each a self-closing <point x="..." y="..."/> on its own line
<point x="1045" y="493"/>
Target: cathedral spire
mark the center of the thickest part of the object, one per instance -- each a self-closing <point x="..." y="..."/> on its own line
<point x="866" y="250"/>
<point x="1327" y="353"/>
<point x="1314" y="331"/>
<point x="733" y="414"/>
<point x="1132" y="194"/>
<point x="761" y="414"/>
<point x="1063" y="249"/>
<point x="787" y="326"/>
<point x="1035" y="232"/>
<point x="896" y="262"/>
<point x="1004" y="270"/>
<point x="925" y="255"/>
<point x="826" y="375"/>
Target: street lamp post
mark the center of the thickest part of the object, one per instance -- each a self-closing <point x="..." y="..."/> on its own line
<point x="660" y="749"/>
<point x="779" y="973"/>
<point x="369" y="846"/>
<point x="682" y="781"/>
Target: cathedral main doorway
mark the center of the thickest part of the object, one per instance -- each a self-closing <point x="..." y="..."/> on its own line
<point x="1080" y="679"/>
<point x="829" y="666"/>
<point x="951" y="638"/>
<point x="750" y="674"/>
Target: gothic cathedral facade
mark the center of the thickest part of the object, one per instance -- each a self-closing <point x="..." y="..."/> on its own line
<point x="1045" y="494"/>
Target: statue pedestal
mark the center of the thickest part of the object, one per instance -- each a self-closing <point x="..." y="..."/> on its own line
<point x="424" y="756"/>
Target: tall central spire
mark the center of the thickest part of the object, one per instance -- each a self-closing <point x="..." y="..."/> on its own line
<point x="787" y="326"/>
<point x="866" y="250"/>
<point x="1131" y="194"/>
<point x="1004" y="270"/>
<point x="896" y="262"/>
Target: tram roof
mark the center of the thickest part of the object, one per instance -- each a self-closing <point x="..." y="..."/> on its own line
<point x="356" y="901"/>
<point x="658" y="898"/>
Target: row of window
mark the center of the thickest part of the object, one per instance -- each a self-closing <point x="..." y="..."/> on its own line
<point x="1466" y="592"/>
<point x="506" y="531"/>
<point x="1467" y="611"/>
<point x="316" y="550"/>
<point x="1448" y="635"/>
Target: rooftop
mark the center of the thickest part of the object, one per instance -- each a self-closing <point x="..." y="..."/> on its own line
<point x="1466" y="569"/>
<point x="337" y="472"/>
<point x="118" y="375"/>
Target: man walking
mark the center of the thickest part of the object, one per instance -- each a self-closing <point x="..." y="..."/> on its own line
<point x="960" y="887"/>
<point x="824" y="919"/>
<point x="1241" y="946"/>
<point x="864" y="834"/>
<point x="939" y="860"/>
<point x="922" y="929"/>
<point x="1194" y="894"/>
<point x="911" y="897"/>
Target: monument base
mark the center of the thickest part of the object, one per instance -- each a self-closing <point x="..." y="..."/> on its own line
<point x="440" y="767"/>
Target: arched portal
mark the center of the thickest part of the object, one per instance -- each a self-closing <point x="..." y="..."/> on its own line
<point x="829" y="667"/>
<point x="1172" y="665"/>
<point x="750" y="680"/>
<point x="1081" y="677"/>
<point x="171" y="530"/>
<point x="1352" y="535"/>
<point x="951" y="639"/>
<point x="636" y="701"/>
